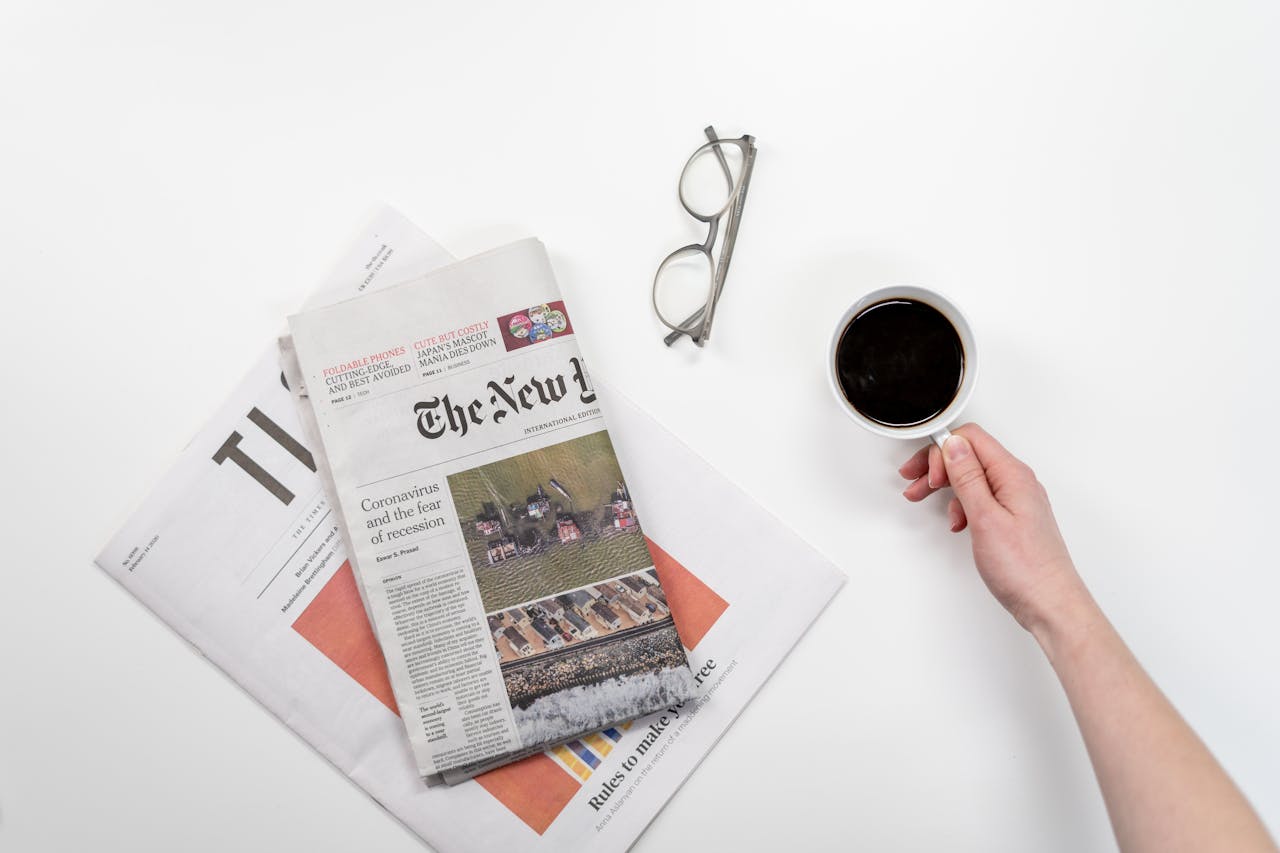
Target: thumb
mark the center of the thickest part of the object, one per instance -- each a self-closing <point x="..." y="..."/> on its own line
<point x="967" y="476"/>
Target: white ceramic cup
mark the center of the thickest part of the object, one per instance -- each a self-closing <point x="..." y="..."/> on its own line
<point x="936" y="427"/>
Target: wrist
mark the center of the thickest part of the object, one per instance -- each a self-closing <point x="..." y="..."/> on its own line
<point x="1069" y="619"/>
<point x="1063" y="610"/>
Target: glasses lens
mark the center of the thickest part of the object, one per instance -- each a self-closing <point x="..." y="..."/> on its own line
<point x="682" y="287"/>
<point x="710" y="178"/>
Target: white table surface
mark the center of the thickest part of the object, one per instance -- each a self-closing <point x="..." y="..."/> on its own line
<point x="1097" y="183"/>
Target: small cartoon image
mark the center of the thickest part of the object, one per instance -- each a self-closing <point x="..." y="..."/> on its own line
<point x="519" y="325"/>
<point x="534" y="325"/>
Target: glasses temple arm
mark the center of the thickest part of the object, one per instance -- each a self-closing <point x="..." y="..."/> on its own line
<point x="724" y="164"/>
<point x="730" y="238"/>
<point x="675" y="335"/>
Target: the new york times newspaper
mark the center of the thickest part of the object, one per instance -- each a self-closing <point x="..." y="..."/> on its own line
<point x="490" y="527"/>
<point x="238" y="551"/>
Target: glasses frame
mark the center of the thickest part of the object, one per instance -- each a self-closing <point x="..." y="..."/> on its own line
<point x="698" y="324"/>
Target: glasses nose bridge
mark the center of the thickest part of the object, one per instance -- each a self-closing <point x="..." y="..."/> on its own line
<point x="713" y="231"/>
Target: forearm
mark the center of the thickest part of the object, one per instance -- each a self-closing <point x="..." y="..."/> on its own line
<point x="1162" y="787"/>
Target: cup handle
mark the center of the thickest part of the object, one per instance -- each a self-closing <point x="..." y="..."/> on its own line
<point x="940" y="437"/>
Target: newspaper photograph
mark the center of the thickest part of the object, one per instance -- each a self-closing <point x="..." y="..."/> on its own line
<point x="485" y="509"/>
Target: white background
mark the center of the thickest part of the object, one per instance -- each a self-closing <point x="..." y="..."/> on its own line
<point x="1095" y="182"/>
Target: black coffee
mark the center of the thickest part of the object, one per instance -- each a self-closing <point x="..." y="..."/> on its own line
<point x="899" y="362"/>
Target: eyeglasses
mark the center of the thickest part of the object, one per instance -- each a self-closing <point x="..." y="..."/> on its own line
<point x="688" y="283"/>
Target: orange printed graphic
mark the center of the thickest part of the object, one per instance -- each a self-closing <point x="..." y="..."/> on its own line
<point x="535" y="789"/>
<point x="695" y="607"/>
<point x="336" y="624"/>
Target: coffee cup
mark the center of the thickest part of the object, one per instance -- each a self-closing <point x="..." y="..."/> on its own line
<point x="903" y="363"/>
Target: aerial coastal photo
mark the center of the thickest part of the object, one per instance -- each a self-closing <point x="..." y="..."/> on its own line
<point x="550" y="520"/>
<point x="575" y="661"/>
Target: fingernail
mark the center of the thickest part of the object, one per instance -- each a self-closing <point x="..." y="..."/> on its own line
<point x="954" y="515"/>
<point x="955" y="448"/>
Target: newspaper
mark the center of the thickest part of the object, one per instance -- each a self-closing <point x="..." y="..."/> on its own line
<point x="485" y="514"/>
<point x="256" y="579"/>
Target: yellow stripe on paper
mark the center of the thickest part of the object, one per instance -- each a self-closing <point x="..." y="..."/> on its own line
<point x="599" y="743"/>
<point x="573" y="762"/>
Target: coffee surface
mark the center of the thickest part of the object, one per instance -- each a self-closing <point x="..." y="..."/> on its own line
<point x="900" y="362"/>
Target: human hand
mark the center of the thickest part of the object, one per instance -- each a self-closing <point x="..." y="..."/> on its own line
<point x="1017" y="547"/>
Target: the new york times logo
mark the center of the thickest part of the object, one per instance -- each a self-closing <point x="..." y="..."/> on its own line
<point x="440" y="415"/>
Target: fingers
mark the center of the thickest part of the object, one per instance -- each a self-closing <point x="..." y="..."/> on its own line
<point x="1007" y="476"/>
<point x="928" y="459"/>
<point x="929" y="470"/>
<point x="926" y="462"/>
<point x="967" y="476"/>
<point x="922" y="469"/>
<point x="918" y="490"/>
<point x="988" y="450"/>
<point x="917" y="465"/>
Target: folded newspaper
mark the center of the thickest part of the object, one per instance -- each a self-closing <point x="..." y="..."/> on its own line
<point x="237" y="550"/>
<point x="484" y="512"/>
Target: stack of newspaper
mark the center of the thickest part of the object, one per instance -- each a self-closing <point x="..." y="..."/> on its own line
<point x="411" y="517"/>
